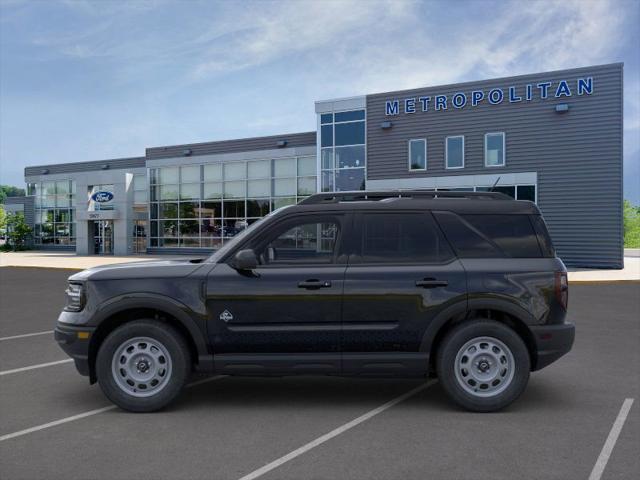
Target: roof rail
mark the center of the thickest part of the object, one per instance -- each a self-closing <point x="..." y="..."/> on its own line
<point x="362" y="196"/>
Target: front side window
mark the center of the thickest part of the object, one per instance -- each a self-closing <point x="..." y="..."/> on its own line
<point x="494" y="150"/>
<point x="418" y="154"/>
<point x="307" y="242"/>
<point x="454" y="152"/>
<point x="402" y="238"/>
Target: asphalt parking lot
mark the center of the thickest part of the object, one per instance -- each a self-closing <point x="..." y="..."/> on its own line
<point x="318" y="428"/>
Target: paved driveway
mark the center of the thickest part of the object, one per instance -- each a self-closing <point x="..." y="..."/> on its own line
<point x="54" y="425"/>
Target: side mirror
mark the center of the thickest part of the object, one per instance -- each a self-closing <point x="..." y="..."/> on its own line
<point x="245" y="260"/>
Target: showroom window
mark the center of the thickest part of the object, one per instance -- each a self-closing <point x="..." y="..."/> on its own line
<point x="343" y="151"/>
<point x="201" y="206"/>
<point x="494" y="147"/>
<point x="54" y="222"/>
<point x="140" y="189"/>
<point x="418" y="154"/>
<point x="454" y="148"/>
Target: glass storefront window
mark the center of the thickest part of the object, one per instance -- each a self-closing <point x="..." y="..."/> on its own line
<point x="211" y="203"/>
<point x="349" y="179"/>
<point x="306" y="185"/>
<point x="259" y="188"/>
<point x="190" y="174"/>
<point x="213" y="172"/>
<point x="284" y="167"/>
<point x="168" y="175"/>
<point x="54" y="212"/>
<point x="350" y="157"/>
<point x="349" y="133"/>
<point x="189" y="191"/>
<point x="169" y="192"/>
<point x="343" y="148"/>
<point x="259" y="169"/>
<point x="235" y="171"/>
<point x="327" y="159"/>
<point x="213" y="190"/>
<point x="306" y="166"/>
<point x="284" y="187"/>
<point x="234" y="189"/>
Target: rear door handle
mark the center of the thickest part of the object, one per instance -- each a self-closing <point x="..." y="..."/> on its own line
<point x="314" y="284"/>
<point x="431" y="283"/>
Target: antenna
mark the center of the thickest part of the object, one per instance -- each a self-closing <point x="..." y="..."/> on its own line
<point x="494" y="185"/>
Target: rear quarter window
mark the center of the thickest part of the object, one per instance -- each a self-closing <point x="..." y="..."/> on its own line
<point x="543" y="236"/>
<point x="490" y="236"/>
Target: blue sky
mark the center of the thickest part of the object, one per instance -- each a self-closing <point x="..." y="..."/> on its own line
<point x="87" y="80"/>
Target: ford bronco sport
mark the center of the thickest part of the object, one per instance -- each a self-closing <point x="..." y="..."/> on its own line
<point x="462" y="286"/>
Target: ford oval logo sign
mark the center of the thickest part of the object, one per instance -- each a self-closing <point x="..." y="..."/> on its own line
<point x="102" y="197"/>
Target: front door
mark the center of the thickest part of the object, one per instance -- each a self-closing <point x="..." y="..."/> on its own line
<point x="103" y="237"/>
<point x="286" y="314"/>
<point x="400" y="277"/>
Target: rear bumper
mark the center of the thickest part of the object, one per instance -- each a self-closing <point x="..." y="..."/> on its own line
<point x="74" y="345"/>
<point x="552" y="342"/>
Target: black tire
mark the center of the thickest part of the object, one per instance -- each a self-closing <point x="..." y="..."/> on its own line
<point x="176" y="348"/>
<point x="452" y="344"/>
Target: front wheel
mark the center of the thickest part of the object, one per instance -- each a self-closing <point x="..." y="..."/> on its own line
<point x="143" y="365"/>
<point x="483" y="365"/>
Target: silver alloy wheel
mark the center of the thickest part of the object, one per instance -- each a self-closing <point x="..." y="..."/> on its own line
<point x="484" y="367"/>
<point x="141" y="366"/>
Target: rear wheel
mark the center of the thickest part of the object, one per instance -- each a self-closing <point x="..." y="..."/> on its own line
<point x="483" y="365"/>
<point x="143" y="365"/>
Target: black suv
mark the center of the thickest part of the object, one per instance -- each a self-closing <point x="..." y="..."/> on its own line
<point x="463" y="286"/>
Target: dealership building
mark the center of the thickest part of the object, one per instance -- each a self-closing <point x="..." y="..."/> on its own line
<point x="553" y="138"/>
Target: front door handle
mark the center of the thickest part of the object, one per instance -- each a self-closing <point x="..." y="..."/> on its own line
<point x="431" y="283"/>
<point x="314" y="284"/>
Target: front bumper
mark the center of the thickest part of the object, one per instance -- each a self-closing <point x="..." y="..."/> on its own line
<point x="75" y="343"/>
<point x="552" y="342"/>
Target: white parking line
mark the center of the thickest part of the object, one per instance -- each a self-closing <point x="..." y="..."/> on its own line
<point x="24" y="335"/>
<point x="85" y="414"/>
<point x="32" y="367"/>
<point x="334" y="433"/>
<point x="601" y="463"/>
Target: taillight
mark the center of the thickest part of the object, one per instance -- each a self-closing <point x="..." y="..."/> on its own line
<point x="562" y="289"/>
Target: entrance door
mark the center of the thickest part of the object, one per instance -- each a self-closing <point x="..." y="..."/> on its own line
<point x="103" y="237"/>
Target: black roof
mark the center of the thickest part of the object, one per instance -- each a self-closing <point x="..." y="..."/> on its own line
<point x="460" y="202"/>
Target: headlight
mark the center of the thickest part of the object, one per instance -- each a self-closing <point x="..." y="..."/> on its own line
<point x="75" y="297"/>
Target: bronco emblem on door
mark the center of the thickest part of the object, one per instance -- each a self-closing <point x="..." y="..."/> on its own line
<point x="226" y="316"/>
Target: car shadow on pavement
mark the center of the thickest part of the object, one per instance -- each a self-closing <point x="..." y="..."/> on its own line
<point x="322" y="392"/>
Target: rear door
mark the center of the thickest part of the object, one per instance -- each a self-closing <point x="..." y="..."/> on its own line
<point x="402" y="274"/>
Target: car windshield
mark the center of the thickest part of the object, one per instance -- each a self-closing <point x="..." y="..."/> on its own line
<point x="231" y="244"/>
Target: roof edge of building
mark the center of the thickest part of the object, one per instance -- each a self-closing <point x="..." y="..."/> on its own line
<point x="297" y="139"/>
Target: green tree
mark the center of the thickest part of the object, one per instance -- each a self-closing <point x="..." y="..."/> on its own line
<point x="631" y="225"/>
<point x="3" y="219"/>
<point x="10" y="191"/>
<point x="17" y="231"/>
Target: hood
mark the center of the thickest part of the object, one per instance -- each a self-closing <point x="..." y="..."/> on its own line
<point x="132" y="270"/>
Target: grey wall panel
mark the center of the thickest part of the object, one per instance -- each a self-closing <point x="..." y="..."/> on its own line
<point x="97" y="165"/>
<point x="230" y="146"/>
<point x="577" y="155"/>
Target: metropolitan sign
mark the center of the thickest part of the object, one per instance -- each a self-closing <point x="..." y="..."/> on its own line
<point x="494" y="96"/>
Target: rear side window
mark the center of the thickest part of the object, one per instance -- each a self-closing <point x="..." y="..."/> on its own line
<point x="543" y="236"/>
<point x="490" y="236"/>
<point x="402" y="238"/>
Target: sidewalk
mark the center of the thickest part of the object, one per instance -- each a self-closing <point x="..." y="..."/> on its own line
<point x="69" y="260"/>
<point x="49" y="259"/>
